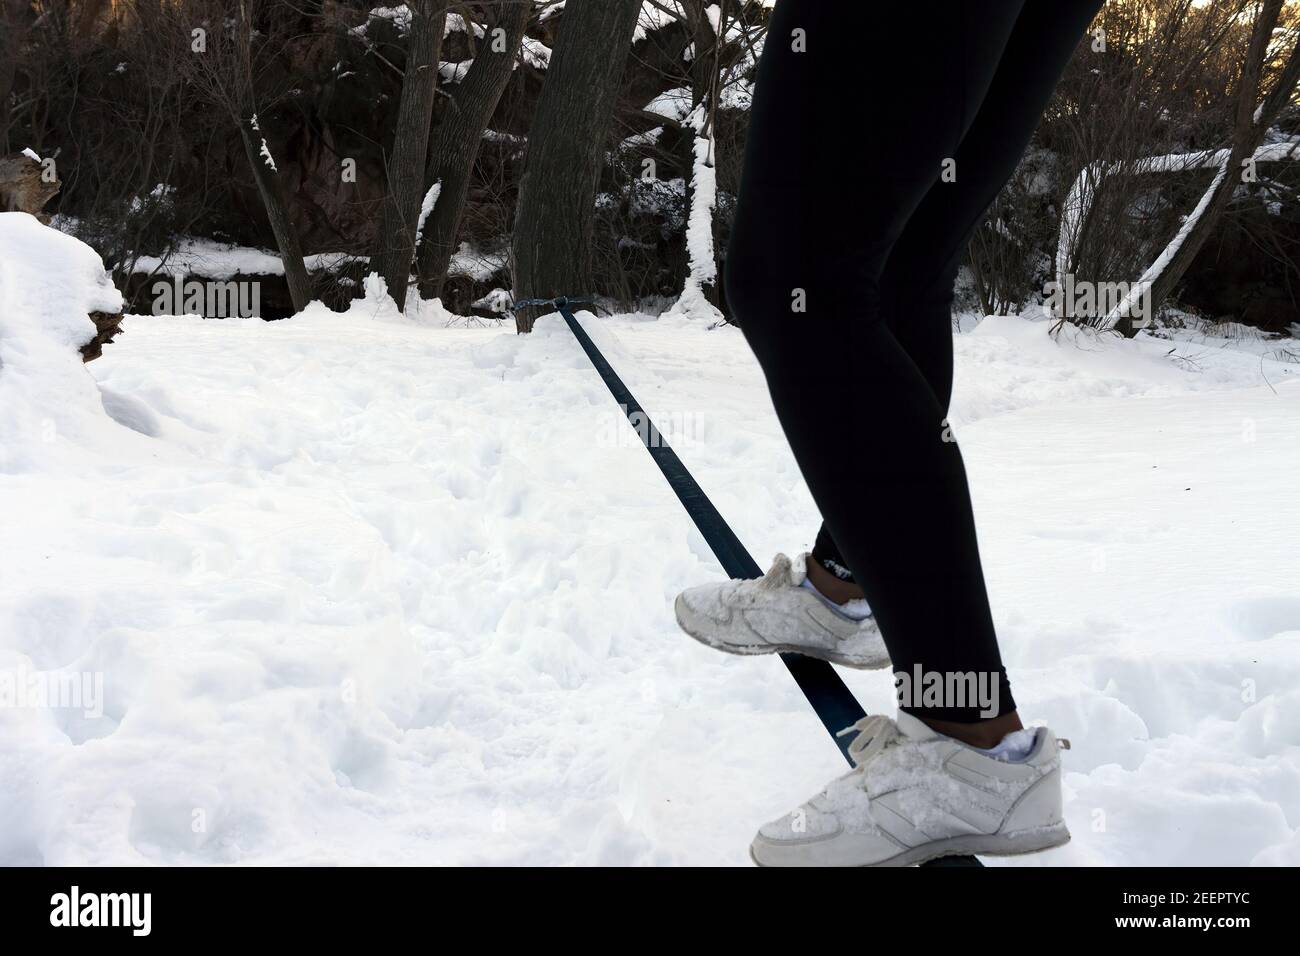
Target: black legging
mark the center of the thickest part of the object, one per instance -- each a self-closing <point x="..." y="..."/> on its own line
<point x="840" y="271"/>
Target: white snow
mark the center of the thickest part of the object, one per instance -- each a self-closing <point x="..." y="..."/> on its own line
<point x="265" y="153"/>
<point x="714" y="14"/>
<point x="209" y="259"/>
<point x="221" y="260"/>
<point x="674" y="104"/>
<point x="161" y="195"/>
<point x="456" y="23"/>
<point x="400" y="16"/>
<point x="264" y="150"/>
<point x="479" y="265"/>
<point x="657" y="16"/>
<point x="49" y="284"/>
<point x="702" y="267"/>
<point x="664" y="13"/>
<point x="456" y="72"/>
<point x="426" y="209"/>
<point x="498" y="301"/>
<point x="373" y="590"/>
<point x="535" y="53"/>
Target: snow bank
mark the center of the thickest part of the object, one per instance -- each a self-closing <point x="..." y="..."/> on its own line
<point x="211" y="259"/>
<point x="49" y="283"/>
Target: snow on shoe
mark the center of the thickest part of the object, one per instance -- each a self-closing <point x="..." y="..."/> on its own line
<point x="916" y="795"/>
<point x="775" y="613"/>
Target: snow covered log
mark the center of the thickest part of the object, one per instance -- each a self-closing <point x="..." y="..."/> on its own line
<point x="53" y="286"/>
<point x="23" y="188"/>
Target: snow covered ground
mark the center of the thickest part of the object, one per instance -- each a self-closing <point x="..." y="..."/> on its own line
<point x="365" y="590"/>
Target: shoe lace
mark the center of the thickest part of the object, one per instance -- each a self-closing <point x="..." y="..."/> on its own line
<point x="780" y="575"/>
<point x="874" y="733"/>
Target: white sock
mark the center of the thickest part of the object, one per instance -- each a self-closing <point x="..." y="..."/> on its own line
<point x="1015" y="747"/>
<point x="855" y="610"/>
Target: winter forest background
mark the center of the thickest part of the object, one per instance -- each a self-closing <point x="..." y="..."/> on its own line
<point x="191" y="137"/>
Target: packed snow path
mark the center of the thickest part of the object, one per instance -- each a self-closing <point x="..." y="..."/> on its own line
<point x="382" y="592"/>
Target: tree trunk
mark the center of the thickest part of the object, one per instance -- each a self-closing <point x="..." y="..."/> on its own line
<point x="395" y="238"/>
<point x="277" y="211"/>
<point x="700" y="291"/>
<point x="705" y="47"/>
<point x="458" y="136"/>
<point x="555" y="216"/>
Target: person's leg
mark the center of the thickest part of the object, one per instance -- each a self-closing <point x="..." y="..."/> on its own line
<point x="824" y="197"/>
<point x="917" y="285"/>
<point x="823" y="202"/>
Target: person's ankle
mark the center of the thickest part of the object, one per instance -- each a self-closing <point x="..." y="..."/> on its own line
<point x="983" y="734"/>
<point x="831" y="587"/>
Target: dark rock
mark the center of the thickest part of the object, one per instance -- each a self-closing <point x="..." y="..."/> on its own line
<point x="106" y="328"/>
<point x="23" y="188"/>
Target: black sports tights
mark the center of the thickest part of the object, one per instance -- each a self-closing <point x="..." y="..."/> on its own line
<point x="878" y="136"/>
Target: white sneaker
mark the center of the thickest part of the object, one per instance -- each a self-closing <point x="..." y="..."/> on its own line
<point x="916" y="795"/>
<point x="775" y="613"/>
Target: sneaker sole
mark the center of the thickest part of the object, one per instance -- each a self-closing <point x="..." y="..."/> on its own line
<point x="1007" y="844"/>
<point x="682" y="611"/>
